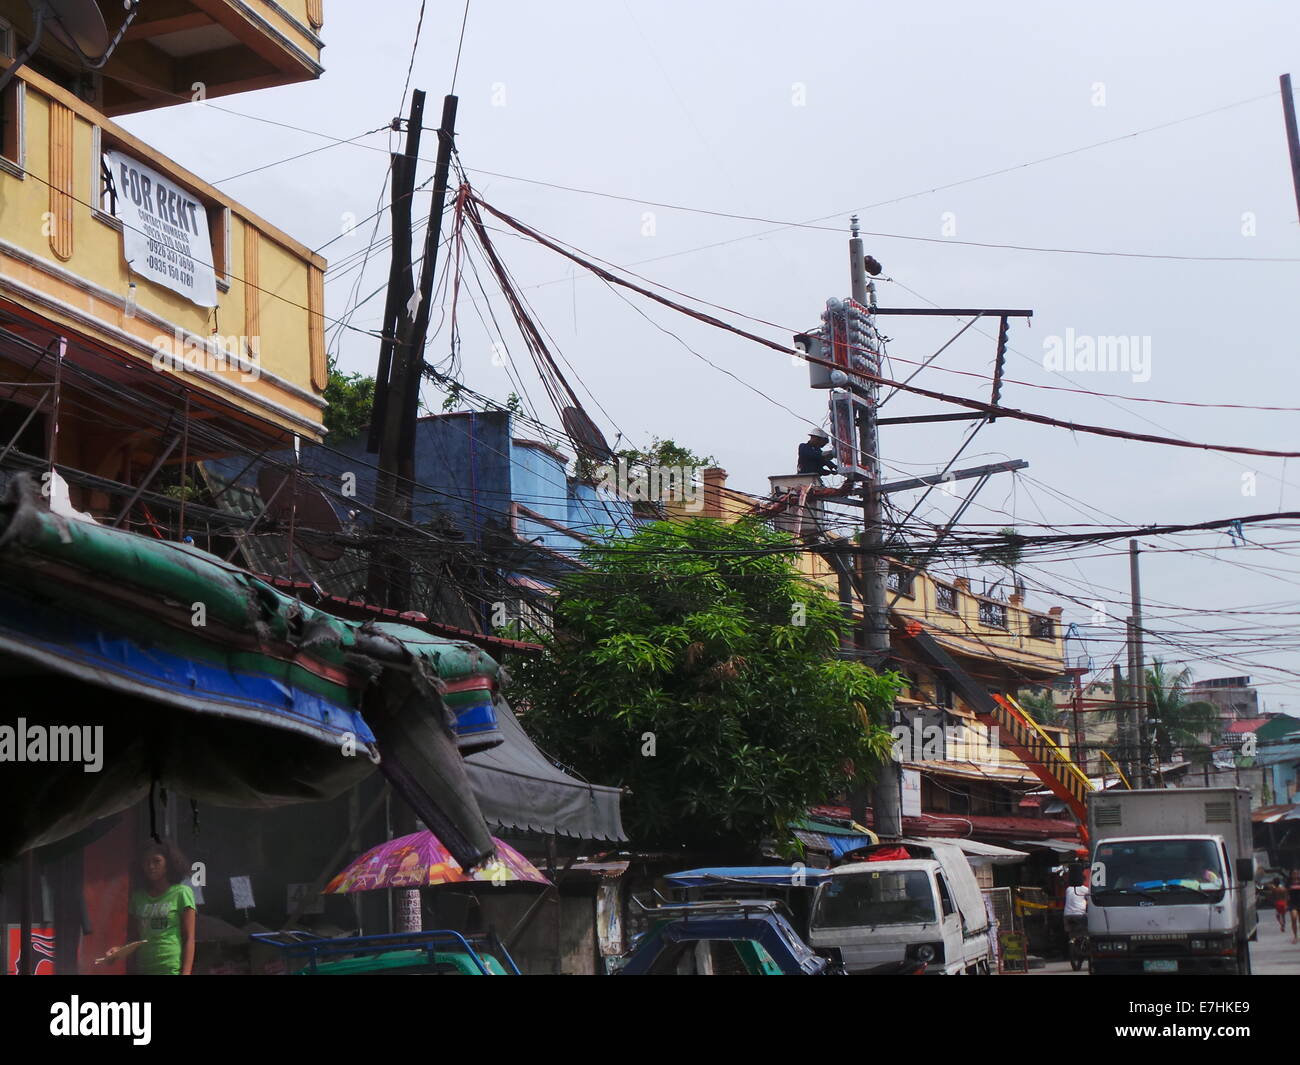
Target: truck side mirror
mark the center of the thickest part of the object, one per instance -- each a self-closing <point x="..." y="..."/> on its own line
<point x="1245" y="870"/>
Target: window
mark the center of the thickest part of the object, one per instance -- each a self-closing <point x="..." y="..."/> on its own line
<point x="945" y="598"/>
<point x="12" y="154"/>
<point x="1041" y="628"/>
<point x="876" y="897"/>
<point x="993" y="614"/>
<point x="945" y="900"/>
<point x="899" y="580"/>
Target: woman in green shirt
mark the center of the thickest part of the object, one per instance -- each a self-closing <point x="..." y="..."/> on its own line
<point x="162" y="914"/>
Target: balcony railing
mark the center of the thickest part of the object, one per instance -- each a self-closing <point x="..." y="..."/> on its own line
<point x="945" y="598"/>
<point x="1041" y="627"/>
<point x="900" y="580"/>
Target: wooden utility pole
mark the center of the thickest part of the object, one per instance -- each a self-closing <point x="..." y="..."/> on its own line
<point x="386" y="414"/>
<point x="402" y="397"/>
<point x="413" y="347"/>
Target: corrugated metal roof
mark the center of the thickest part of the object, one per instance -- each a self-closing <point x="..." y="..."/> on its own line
<point x="1064" y="846"/>
<point x="975" y="849"/>
<point x="1267" y="815"/>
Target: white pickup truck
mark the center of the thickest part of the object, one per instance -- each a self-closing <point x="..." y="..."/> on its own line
<point x="926" y="908"/>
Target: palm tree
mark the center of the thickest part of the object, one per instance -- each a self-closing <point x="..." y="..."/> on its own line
<point x="1039" y="705"/>
<point x="1175" y="722"/>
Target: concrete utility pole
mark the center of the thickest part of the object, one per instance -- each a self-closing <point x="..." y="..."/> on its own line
<point x="1140" y="711"/>
<point x="887" y="795"/>
<point x="1125" y="760"/>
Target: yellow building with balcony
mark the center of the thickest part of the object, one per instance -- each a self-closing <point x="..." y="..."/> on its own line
<point x="955" y="766"/>
<point x="145" y="316"/>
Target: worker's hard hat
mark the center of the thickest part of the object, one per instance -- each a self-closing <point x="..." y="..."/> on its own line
<point x="817" y="434"/>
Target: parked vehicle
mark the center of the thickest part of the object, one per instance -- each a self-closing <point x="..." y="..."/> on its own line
<point x="794" y="886"/>
<point x="885" y="908"/>
<point x="435" y="953"/>
<point x="723" y="937"/>
<point x="1172" y="881"/>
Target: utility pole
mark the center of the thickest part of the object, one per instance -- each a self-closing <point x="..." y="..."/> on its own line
<point x="1080" y="755"/>
<point x="1292" y="137"/>
<point x="386" y="412"/>
<point x="1139" y="666"/>
<point x="395" y="419"/>
<point x="887" y="795"/>
<point x="397" y="393"/>
<point x="1122" y="715"/>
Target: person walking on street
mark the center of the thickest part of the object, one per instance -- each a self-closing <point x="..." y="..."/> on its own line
<point x="1293" y="903"/>
<point x="1278" y="895"/>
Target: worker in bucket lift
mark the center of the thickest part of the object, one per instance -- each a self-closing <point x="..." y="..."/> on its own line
<point x="812" y="459"/>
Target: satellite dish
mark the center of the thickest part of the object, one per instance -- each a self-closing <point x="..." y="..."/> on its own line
<point x="589" y="440"/>
<point x="306" y="507"/>
<point x="79" y="25"/>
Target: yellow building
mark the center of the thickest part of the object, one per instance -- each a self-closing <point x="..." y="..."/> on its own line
<point x="955" y="766"/>
<point x="140" y="307"/>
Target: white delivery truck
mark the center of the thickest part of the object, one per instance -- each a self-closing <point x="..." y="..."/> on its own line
<point x="1172" y="881"/>
<point x="925" y="908"/>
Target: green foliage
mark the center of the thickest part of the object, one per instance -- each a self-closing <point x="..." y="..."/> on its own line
<point x="1176" y="724"/>
<point x="665" y="453"/>
<point x="1007" y="553"/>
<point x="1176" y="721"/>
<point x="658" y="453"/>
<point x="351" y="397"/>
<point x="703" y="639"/>
<point x="1040" y="706"/>
<point x="454" y="397"/>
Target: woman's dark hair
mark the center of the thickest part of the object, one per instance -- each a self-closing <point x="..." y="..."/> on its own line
<point x="177" y="868"/>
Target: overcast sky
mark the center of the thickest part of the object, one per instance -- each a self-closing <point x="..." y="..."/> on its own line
<point x="809" y="112"/>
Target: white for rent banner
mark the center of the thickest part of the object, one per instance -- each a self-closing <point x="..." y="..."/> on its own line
<point x="164" y="230"/>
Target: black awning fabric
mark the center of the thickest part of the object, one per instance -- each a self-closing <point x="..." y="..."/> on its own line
<point x="518" y="788"/>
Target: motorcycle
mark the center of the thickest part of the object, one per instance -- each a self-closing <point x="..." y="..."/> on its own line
<point x="1078" y="948"/>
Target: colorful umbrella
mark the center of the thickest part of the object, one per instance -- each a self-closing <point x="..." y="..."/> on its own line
<point x="420" y="860"/>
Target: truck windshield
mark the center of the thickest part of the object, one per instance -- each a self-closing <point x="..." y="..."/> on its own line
<point x="876" y="898"/>
<point x="1166" y="871"/>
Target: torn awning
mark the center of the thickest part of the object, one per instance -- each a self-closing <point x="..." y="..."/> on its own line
<point x="204" y="679"/>
<point x="518" y="788"/>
